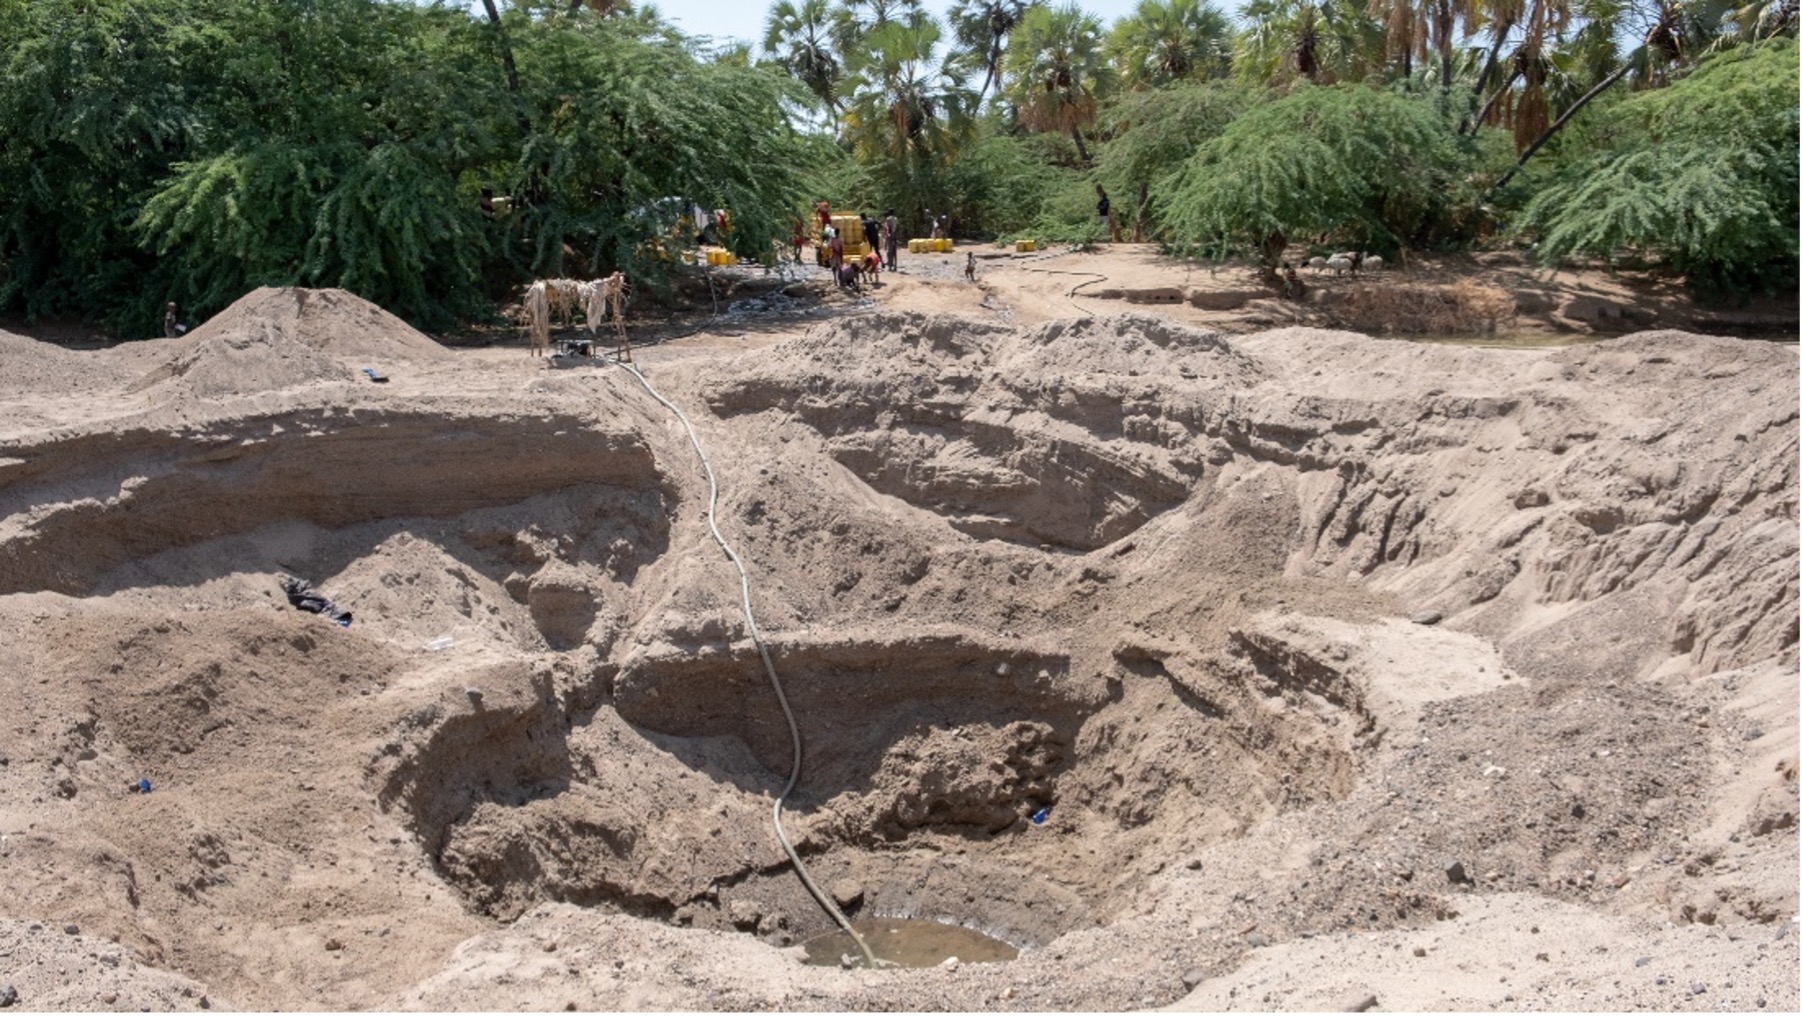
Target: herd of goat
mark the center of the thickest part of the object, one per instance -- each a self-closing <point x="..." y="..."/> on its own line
<point x="1344" y="261"/>
<point x="598" y="299"/>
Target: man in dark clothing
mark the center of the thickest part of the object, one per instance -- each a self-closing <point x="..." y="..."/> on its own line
<point x="1102" y="208"/>
<point x="892" y="235"/>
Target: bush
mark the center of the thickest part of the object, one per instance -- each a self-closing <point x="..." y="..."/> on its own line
<point x="1704" y="176"/>
<point x="1350" y="163"/>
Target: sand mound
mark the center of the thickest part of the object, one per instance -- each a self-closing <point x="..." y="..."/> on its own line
<point x="331" y="321"/>
<point x="261" y="359"/>
<point x="29" y="366"/>
<point x="283" y="338"/>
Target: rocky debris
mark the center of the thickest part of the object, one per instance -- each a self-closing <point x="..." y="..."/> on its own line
<point x="846" y="893"/>
<point x="744" y="913"/>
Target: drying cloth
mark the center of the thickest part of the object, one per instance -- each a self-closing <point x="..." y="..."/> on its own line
<point x="302" y="595"/>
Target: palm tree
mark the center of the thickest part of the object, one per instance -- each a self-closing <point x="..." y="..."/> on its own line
<point x="1321" y="40"/>
<point x="797" y="34"/>
<point x="981" y="28"/>
<point x="906" y="118"/>
<point x="856" y="19"/>
<point x="1170" y="40"/>
<point x="1056" y="70"/>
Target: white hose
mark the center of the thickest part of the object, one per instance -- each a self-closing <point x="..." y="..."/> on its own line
<point x="744" y="578"/>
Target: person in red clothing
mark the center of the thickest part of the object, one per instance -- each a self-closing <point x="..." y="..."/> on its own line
<point x="836" y="249"/>
<point x="797" y="238"/>
<point x="825" y="213"/>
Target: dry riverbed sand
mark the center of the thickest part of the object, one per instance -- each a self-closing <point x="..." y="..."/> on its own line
<point x="1354" y="673"/>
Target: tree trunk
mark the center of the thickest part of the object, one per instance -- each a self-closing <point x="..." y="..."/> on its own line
<point x="1619" y="73"/>
<point x="1444" y="21"/>
<point x="1483" y="114"/>
<point x="1495" y="52"/>
<point x="1274" y="245"/>
<point x="494" y="17"/>
<point x="1082" y="150"/>
<point x="1139" y="217"/>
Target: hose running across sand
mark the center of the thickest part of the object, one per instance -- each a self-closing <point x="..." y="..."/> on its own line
<point x="794" y="774"/>
<point x="1070" y="295"/>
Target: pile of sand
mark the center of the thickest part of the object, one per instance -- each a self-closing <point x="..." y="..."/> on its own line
<point x="332" y="321"/>
<point x="274" y="338"/>
<point x="256" y="360"/>
<point x="29" y="366"/>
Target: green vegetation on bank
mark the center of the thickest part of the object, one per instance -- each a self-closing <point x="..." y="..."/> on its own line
<point x="434" y="156"/>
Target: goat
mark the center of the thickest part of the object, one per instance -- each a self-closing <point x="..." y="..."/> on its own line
<point x="1317" y="263"/>
<point x="538" y="318"/>
<point x="608" y="296"/>
<point x="1373" y="262"/>
<point x="564" y="296"/>
<point x="1341" y="264"/>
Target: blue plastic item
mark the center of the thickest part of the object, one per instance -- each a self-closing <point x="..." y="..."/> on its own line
<point x="143" y="785"/>
<point x="1038" y="818"/>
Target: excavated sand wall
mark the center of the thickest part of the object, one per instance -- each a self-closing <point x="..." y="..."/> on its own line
<point x="1154" y="580"/>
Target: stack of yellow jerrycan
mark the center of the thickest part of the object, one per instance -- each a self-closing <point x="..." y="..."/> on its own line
<point x="929" y="245"/>
<point x="849" y="226"/>
<point x="1025" y="246"/>
<point x="718" y="256"/>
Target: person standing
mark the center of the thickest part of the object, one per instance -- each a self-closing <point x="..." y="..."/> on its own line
<point x="824" y="210"/>
<point x="891" y="232"/>
<point x="872" y="233"/>
<point x="171" y="327"/>
<point x="1103" y="210"/>
<point x="835" y="248"/>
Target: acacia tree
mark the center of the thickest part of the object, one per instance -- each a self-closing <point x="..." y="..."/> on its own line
<point x="1704" y="178"/>
<point x="1349" y="162"/>
<point x="1149" y="134"/>
<point x="1056" y="71"/>
<point x="1164" y="41"/>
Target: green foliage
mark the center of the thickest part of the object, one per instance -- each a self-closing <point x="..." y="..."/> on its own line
<point x="907" y="121"/>
<point x="1165" y="41"/>
<point x="1001" y="185"/>
<point x="155" y="151"/>
<point x="1067" y="215"/>
<point x="1151" y="134"/>
<point x="622" y="116"/>
<point x="1348" y="163"/>
<point x="1056" y="75"/>
<point x="1704" y="175"/>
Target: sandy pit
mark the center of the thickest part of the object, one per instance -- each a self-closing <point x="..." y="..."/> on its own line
<point x="1343" y="673"/>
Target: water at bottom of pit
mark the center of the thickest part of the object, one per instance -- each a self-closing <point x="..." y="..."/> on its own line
<point x="909" y="943"/>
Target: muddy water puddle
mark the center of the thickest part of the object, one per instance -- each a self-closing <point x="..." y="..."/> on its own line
<point x="909" y="943"/>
